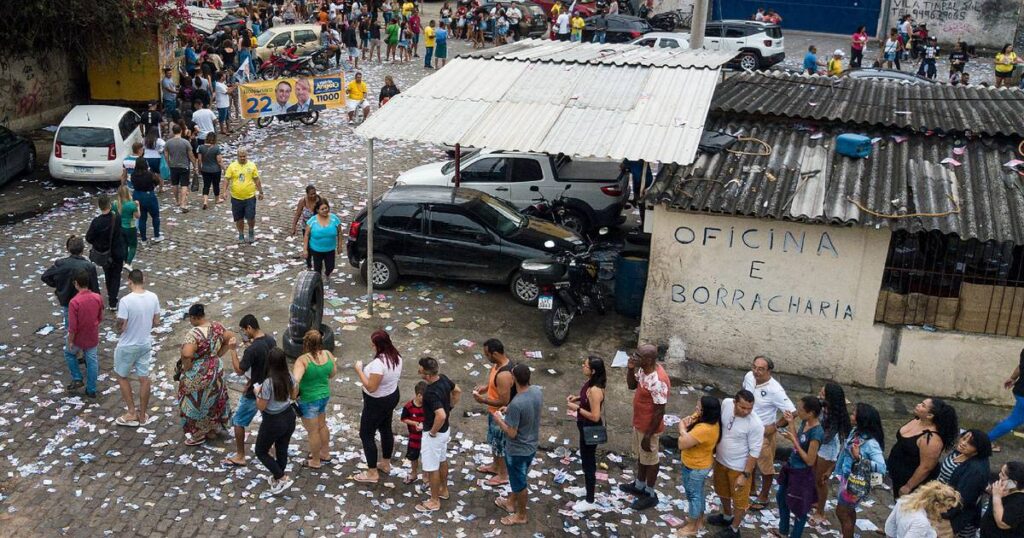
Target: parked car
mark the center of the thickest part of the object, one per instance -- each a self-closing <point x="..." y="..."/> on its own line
<point x="597" y="195"/>
<point x="664" y="40"/>
<point x="758" y="45"/>
<point x="91" y="142"/>
<point x="586" y="7"/>
<point x="17" y="155"/>
<point x="621" y="28"/>
<point x="534" y="21"/>
<point x="458" y="234"/>
<point x="305" y="36"/>
<point x="873" y="73"/>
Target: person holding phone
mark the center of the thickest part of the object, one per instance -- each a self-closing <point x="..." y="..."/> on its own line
<point x="1005" y="515"/>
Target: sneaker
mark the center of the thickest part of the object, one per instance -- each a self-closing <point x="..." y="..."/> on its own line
<point x="158" y="239"/>
<point x="582" y="506"/>
<point x="630" y="489"/>
<point x="74" y="385"/>
<point x="730" y="532"/>
<point x="643" y="502"/>
<point x="128" y="266"/>
<point x="241" y="238"/>
<point x="720" y="520"/>
<point x="281" y="486"/>
<point x="252" y="239"/>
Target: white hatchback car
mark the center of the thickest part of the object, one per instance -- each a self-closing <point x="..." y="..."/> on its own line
<point x="92" y="141"/>
<point x="663" y="40"/>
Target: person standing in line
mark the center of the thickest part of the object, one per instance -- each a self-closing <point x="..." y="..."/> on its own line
<point x="966" y="469"/>
<point x="497" y="393"/>
<point x="205" y="120"/>
<point x="151" y="119"/>
<point x="222" y="100"/>
<point x="651" y="386"/>
<point x="412" y="416"/>
<point x="429" y="41"/>
<point x="304" y="210"/>
<point x="865" y="443"/>
<point x="242" y="181"/>
<point x="146" y="183"/>
<point x="380" y="397"/>
<point x="563" y="25"/>
<point x="202" y="395"/>
<point x="914" y="458"/>
<point x="521" y="426"/>
<point x="61" y="277"/>
<point x="770" y="399"/>
<point x="835" y="421"/>
<point x="1014" y="383"/>
<point x="169" y="92"/>
<point x="916" y="514"/>
<point x="137" y="314"/>
<point x="735" y="458"/>
<point x="587" y="407"/>
<point x="858" y="42"/>
<point x="211" y="164"/>
<point x="441" y="49"/>
<point x="105" y="236"/>
<point x="797" y="493"/>
<point x="1005" y="515"/>
<point x="128" y="209"/>
<point x="153" y="151"/>
<point x="253" y="366"/>
<point x="274" y="400"/>
<point x="85" y="313"/>
<point x="438" y="400"/>
<point x="128" y="164"/>
<point x="698" y="435"/>
<point x="313" y="372"/>
<point x="178" y="152"/>
<point x="323" y="239"/>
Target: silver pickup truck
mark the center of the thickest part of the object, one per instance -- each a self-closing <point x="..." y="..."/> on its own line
<point x="597" y="196"/>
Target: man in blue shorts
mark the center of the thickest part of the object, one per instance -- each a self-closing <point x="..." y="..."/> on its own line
<point x="521" y="424"/>
<point x="254" y="366"/>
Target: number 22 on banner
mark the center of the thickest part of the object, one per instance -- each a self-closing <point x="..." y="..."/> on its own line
<point x="255" y="102"/>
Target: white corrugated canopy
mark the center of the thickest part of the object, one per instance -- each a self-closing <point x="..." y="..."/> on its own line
<point x="586" y="100"/>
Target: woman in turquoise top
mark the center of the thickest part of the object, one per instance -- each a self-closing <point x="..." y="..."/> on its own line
<point x="323" y="231"/>
<point x="313" y="372"/>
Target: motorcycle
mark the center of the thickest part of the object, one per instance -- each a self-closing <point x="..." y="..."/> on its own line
<point x="285" y="64"/>
<point x="321" y="59"/>
<point x="556" y="211"/>
<point x="306" y="118"/>
<point x="569" y="287"/>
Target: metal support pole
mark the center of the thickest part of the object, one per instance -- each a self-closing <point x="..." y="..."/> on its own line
<point x="369" y="227"/>
<point x="698" y="24"/>
<point x="458" y="165"/>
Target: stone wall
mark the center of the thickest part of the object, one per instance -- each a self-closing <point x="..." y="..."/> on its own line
<point x="36" y="89"/>
<point x="984" y="23"/>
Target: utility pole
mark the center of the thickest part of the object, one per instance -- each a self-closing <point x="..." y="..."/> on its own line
<point x="699" y="22"/>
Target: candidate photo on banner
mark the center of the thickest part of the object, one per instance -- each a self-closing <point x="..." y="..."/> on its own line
<point x="267" y="98"/>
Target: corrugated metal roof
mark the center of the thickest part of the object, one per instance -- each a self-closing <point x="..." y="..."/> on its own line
<point x="598" y="110"/>
<point x="805" y="180"/>
<point x="920" y="107"/>
<point x="546" y="50"/>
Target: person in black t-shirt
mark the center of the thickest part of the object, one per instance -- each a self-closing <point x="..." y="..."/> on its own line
<point x="1005" y="515"/>
<point x="957" y="61"/>
<point x="151" y="120"/>
<point x="439" y="398"/>
<point x="1015" y="383"/>
<point x="254" y="366"/>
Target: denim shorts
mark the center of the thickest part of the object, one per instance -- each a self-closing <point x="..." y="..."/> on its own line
<point x="518" y="469"/>
<point x="133" y="360"/>
<point x="495" y="437"/>
<point x="312" y="409"/>
<point x="223" y="114"/>
<point x="245" y="412"/>
<point x="243" y="209"/>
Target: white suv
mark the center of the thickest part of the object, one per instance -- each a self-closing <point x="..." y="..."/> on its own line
<point x="758" y="45"/>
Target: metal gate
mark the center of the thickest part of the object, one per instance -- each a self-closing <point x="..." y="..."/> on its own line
<point x="828" y="16"/>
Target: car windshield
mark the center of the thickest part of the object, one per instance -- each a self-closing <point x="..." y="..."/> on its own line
<point x="264" y="38"/>
<point x="89" y="137"/>
<point x="449" y="166"/>
<point x="496" y="214"/>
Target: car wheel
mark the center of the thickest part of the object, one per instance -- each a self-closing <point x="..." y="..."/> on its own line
<point x="523" y="289"/>
<point x="385" y="274"/>
<point x="749" y="61"/>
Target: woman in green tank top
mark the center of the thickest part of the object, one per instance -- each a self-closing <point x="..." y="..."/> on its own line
<point x="128" y="209"/>
<point x="313" y="372"/>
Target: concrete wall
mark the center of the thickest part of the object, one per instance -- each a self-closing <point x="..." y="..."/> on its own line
<point x="36" y="89"/>
<point x="722" y="289"/>
<point x="986" y="23"/>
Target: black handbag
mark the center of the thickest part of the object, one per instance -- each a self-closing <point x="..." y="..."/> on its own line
<point x="595" y="435"/>
<point x="102" y="258"/>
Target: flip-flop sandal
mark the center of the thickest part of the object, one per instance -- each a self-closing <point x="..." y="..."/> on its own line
<point x="305" y="463"/>
<point x="195" y="442"/>
<point x="445" y="497"/>
<point x="491" y="482"/>
<point x="410" y="480"/>
<point x="327" y="461"/>
<point x="758" y="505"/>
<point x="425" y="509"/>
<point x="498" y="502"/>
<point x="227" y="462"/>
<point x="484" y="469"/>
<point x="149" y="420"/>
<point x="127" y="423"/>
<point x="362" y="478"/>
<point x="510" y="520"/>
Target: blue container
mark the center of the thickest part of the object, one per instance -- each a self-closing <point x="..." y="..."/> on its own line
<point x="630" y="283"/>
<point x="853" y="145"/>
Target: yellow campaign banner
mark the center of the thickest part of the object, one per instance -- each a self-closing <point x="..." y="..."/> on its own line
<point x="290" y="95"/>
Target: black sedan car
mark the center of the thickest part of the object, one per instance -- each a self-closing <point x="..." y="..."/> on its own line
<point x="620" y="28"/>
<point x="17" y="155"/>
<point x="458" y="234"/>
<point x="533" y="23"/>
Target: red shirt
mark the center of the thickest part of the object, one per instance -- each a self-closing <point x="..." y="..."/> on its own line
<point x="85" y="312"/>
<point x="651" y="390"/>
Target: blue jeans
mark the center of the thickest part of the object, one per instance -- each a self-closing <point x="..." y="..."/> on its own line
<point x="599" y="37"/>
<point x="798" y="522"/>
<point x="92" y="367"/>
<point x="170" y="105"/>
<point x="148" y="206"/>
<point x="693" y="482"/>
<point x="1016" y="418"/>
<point x="427" y="56"/>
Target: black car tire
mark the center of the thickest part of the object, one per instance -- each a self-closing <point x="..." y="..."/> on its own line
<point x="520" y="287"/>
<point x="557" y="322"/>
<point x="748" y="61"/>
<point x="292" y="344"/>
<point x="389" y="271"/>
<point x="307" y="308"/>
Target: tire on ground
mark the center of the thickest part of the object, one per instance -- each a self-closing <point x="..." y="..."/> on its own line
<point x="292" y="344"/>
<point x="307" y="308"/>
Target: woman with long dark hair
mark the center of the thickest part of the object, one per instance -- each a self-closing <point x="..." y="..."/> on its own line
<point x="914" y="458"/>
<point x="588" y="413"/>
<point x="835" y="420"/>
<point x="202" y="395"/>
<point x="698" y="436"/>
<point x="797" y="492"/>
<point x="966" y="469"/>
<point x="866" y="442"/>
<point x="274" y="400"/>
<point x="380" y="397"/>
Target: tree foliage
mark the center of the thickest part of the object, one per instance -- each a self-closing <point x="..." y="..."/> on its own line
<point x="86" y="27"/>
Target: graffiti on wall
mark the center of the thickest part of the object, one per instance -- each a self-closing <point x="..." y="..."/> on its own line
<point x="980" y="22"/>
<point x="31" y="85"/>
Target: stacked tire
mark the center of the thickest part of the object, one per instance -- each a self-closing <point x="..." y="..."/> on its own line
<point x="306" y="312"/>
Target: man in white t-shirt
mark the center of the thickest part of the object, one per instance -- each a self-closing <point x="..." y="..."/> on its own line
<point x="222" y="102"/>
<point x="137" y="313"/>
<point x="735" y="459"/>
<point x="205" y="121"/>
<point x="770" y="399"/>
<point x="563" y="25"/>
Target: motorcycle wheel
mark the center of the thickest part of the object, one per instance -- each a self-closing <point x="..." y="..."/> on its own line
<point x="310" y="118"/>
<point x="556" y="323"/>
<point x="263" y="122"/>
<point x="270" y="73"/>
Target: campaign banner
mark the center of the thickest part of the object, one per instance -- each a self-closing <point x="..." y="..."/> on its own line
<point x="265" y="98"/>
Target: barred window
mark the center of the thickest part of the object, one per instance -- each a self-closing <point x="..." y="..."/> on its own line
<point x="948" y="283"/>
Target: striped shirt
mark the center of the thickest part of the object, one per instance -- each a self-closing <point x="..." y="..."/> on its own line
<point x="415" y="413"/>
<point x="948" y="466"/>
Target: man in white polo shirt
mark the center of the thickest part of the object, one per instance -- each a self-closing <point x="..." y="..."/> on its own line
<point x="735" y="458"/>
<point x="770" y="400"/>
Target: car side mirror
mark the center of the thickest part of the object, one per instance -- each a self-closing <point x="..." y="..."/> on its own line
<point x="567" y="187"/>
<point x="534" y="188"/>
<point x="483" y="239"/>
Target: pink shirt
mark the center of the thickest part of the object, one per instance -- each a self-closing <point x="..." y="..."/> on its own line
<point x="858" y="41"/>
<point x="85" y="312"/>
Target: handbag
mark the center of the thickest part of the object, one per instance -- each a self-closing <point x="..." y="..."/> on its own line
<point x="102" y="257"/>
<point x="165" y="170"/>
<point x="194" y="184"/>
<point x="858" y="482"/>
<point x="595" y="435"/>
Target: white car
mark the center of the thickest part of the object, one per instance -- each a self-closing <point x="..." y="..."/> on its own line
<point x="663" y="40"/>
<point x="758" y="45"/>
<point x="306" y="38"/>
<point x="92" y="141"/>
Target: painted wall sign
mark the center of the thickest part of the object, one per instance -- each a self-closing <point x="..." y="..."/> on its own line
<point x="989" y="23"/>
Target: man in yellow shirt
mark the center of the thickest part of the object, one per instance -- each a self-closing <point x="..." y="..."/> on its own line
<point x="835" y="64"/>
<point x="577" y="25"/>
<point x="429" y="40"/>
<point x="356" y="92"/>
<point x="242" y="180"/>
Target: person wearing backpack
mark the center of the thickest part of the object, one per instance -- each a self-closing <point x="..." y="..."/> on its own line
<point x="861" y="456"/>
<point x="107" y="244"/>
